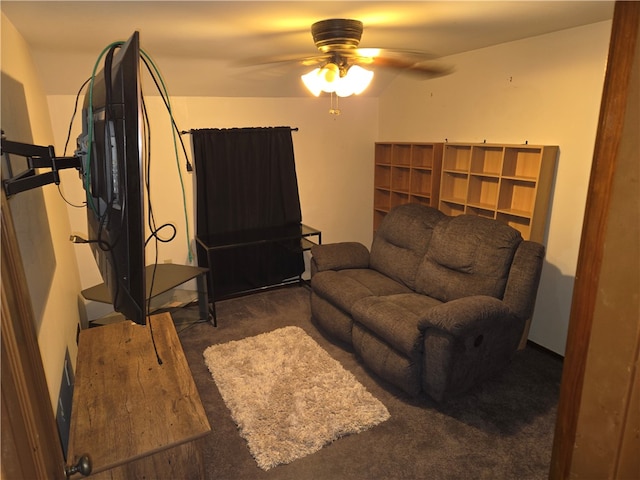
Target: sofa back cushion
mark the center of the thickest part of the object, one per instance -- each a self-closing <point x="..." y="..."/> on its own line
<point x="468" y="255"/>
<point x="401" y="241"/>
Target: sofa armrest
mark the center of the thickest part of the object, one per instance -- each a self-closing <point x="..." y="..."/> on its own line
<point x="340" y="256"/>
<point x="468" y="316"/>
<point x="524" y="278"/>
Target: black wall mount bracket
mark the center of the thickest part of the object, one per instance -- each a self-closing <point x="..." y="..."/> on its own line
<point x="38" y="157"/>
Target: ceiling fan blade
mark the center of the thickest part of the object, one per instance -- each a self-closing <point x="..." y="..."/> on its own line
<point x="412" y="61"/>
<point x="300" y="59"/>
<point x="424" y="69"/>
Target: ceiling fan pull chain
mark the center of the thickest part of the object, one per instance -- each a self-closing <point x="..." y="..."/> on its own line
<point x="335" y="108"/>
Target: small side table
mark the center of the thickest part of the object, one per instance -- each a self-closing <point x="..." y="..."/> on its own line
<point x="167" y="277"/>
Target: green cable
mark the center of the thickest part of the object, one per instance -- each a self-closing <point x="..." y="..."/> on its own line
<point x="175" y="148"/>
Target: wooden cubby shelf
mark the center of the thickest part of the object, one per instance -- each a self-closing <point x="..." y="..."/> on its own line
<point x="509" y="183"/>
<point x="405" y="173"/>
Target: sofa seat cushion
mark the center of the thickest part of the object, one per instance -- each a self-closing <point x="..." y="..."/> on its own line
<point x="468" y="255"/>
<point x="394" y="319"/>
<point x="343" y="288"/>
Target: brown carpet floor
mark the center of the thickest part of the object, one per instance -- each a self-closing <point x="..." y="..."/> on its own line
<point x="501" y="430"/>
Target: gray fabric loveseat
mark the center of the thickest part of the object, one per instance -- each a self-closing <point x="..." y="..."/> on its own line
<point x="437" y="305"/>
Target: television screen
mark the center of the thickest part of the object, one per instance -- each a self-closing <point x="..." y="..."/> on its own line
<point x="111" y="149"/>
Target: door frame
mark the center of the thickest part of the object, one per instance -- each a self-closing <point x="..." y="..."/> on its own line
<point x="31" y="445"/>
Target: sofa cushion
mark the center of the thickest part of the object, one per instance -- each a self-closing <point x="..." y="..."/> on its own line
<point x="401" y="241"/>
<point x="468" y="255"/>
<point x="394" y="319"/>
<point x="344" y="287"/>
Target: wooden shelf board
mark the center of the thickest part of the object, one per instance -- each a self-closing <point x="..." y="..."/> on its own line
<point x="520" y="179"/>
<point x="515" y="213"/>
<point x="483" y="206"/>
<point x="458" y="201"/>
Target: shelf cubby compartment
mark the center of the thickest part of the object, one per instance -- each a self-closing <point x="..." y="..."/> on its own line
<point x="517" y="197"/>
<point x="401" y="154"/>
<point x="382" y="176"/>
<point x="456" y="158"/>
<point x="481" y="212"/>
<point x="421" y="182"/>
<point x="522" y="224"/>
<point x="398" y="198"/>
<point x="383" y="154"/>
<point x="400" y="179"/>
<point x="420" y="199"/>
<point x="454" y="187"/>
<point x="422" y="156"/>
<point x="452" y="209"/>
<point x="522" y="162"/>
<point x="483" y="192"/>
<point x="487" y="160"/>
<point x="381" y="199"/>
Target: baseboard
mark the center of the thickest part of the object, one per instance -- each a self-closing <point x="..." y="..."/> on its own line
<point x="545" y="350"/>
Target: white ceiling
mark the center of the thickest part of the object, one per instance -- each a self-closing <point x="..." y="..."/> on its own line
<point x="195" y="43"/>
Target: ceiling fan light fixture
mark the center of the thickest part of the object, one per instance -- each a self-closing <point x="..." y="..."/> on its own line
<point x="330" y="79"/>
<point x="355" y="81"/>
<point x="314" y="81"/>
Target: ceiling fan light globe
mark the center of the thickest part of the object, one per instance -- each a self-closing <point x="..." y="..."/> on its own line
<point x="330" y="72"/>
<point x="313" y="82"/>
<point x="344" y="89"/>
<point x="358" y="79"/>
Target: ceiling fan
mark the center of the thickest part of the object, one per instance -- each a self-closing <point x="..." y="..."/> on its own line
<point x="341" y="66"/>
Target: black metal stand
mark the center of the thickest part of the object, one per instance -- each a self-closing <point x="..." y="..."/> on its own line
<point x="289" y="235"/>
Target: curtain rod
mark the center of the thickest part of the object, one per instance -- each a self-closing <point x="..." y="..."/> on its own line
<point x="189" y="132"/>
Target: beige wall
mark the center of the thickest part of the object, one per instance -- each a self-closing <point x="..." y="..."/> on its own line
<point x="56" y="309"/>
<point x="333" y="163"/>
<point x="541" y="90"/>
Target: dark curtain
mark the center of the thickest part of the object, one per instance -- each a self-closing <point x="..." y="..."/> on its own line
<point x="247" y="188"/>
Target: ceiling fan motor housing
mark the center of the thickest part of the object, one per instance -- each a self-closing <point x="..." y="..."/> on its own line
<point x="336" y="33"/>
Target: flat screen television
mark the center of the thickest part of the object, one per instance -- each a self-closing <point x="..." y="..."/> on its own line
<point x="111" y="151"/>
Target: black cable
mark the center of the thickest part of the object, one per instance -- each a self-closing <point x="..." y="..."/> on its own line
<point x="154" y="234"/>
<point x="73" y="115"/>
<point x="84" y="204"/>
<point x="147" y="162"/>
<point x="66" y="143"/>
<point x="151" y="217"/>
<point x="166" y="104"/>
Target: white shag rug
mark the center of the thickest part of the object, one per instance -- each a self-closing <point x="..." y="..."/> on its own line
<point x="288" y="397"/>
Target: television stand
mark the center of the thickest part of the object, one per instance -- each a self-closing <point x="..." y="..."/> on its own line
<point x="134" y="417"/>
